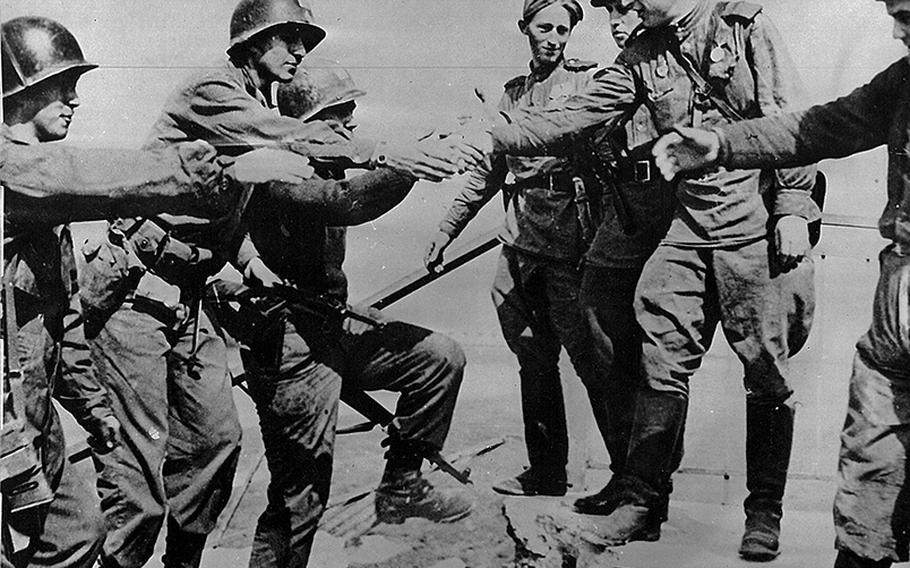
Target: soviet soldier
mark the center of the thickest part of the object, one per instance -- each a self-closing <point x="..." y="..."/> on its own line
<point x="728" y="257"/>
<point x="159" y="355"/>
<point x="637" y="209"/>
<point x="871" y="511"/>
<point x="46" y="186"/>
<point x="535" y="290"/>
<point x="295" y="376"/>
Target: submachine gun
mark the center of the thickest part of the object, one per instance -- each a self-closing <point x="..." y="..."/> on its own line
<point x="255" y="317"/>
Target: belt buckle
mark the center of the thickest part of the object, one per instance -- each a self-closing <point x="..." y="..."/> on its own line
<point x="642" y="171"/>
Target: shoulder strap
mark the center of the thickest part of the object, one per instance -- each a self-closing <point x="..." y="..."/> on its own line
<point x="579" y="65"/>
<point x="702" y="85"/>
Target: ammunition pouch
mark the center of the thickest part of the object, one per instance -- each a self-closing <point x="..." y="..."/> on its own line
<point x="22" y="479"/>
<point x="174" y="261"/>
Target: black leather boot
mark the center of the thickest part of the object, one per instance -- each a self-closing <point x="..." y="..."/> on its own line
<point x="769" y="439"/>
<point x="182" y="549"/>
<point x="659" y="421"/>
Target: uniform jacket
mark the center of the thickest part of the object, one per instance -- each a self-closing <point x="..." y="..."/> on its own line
<point x="650" y="201"/>
<point x="45" y="185"/>
<point x="299" y="229"/>
<point x="541" y="217"/>
<point x="222" y="107"/>
<point x="875" y="114"/>
<point x="722" y="208"/>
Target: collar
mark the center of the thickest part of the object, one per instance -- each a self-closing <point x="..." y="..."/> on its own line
<point x="7" y="134"/>
<point x="540" y="74"/>
<point x="249" y="84"/>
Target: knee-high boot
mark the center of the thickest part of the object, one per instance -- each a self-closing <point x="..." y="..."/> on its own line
<point x="656" y="431"/>
<point x="769" y="439"/>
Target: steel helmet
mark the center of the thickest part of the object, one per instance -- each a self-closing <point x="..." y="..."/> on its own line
<point x="36" y="48"/>
<point x="317" y="85"/>
<point x="252" y="17"/>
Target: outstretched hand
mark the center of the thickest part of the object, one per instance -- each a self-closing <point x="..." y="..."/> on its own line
<point x="686" y="149"/>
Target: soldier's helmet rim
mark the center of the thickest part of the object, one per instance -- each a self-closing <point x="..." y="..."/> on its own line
<point x="35" y="49"/>
<point x="254" y="18"/>
<point x="318" y="84"/>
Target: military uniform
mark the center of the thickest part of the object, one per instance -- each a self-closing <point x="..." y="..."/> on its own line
<point x="158" y="352"/>
<point x="871" y="511"/>
<point x="612" y="267"/>
<point x="43" y="187"/>
<point x="297" y="394"/>
<point x="713" y="265"/>
<point x="535" y="290"/>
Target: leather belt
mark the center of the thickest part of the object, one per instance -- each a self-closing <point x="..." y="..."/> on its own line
<point x="553" y="181"/>
<point x="635" y="171"/>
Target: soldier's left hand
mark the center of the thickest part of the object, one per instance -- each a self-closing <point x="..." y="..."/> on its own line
<point x="791" y="240"/>
<point x="257" y="273"/>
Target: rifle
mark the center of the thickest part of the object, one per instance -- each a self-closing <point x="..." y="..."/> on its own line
<point x="22" y="478"/>
<point x="258" y="312"/>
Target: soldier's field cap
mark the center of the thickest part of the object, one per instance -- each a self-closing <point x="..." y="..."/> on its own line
<point x="533" y="6"/>
<point x="254" y="17"/>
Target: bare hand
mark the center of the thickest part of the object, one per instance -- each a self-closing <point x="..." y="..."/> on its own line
<point x="791" y="239"/>
<point x="268" y="164"/>
<point x="686" y="149"/>
<point x="433" y="255"/>
<point x="257" y="273"/>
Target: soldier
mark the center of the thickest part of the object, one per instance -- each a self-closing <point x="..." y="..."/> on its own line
<point x="295" y="376"/>
<point x="637" y="210"/>
<point x="871" y="510"/>
<point x="44" y="186"/>
<point x="535" y="290"/>
<point x="727" y="257"/>
<point x="158" y="352"/>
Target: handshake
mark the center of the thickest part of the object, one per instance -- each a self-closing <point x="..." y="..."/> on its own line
<point x="446" y="152"/>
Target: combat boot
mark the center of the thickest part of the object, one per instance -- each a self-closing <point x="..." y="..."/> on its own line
<point x="769" y="438"/>
<point x="658" y="424"/>
<point x="535" y="481"/>
<point x="409" y="495"/>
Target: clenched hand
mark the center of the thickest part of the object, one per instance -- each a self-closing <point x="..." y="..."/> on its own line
<point x="686" y="149"/>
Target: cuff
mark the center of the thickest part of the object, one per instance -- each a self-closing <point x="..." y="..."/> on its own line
<point x="796" y="202"/>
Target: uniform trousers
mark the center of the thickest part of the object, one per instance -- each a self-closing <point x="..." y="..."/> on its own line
<point x="537" y="301"/>
<point x="69" y="531"/>
<point x="765" y="315"/>
<point x="872" y="505"/>
<point x="297" y="405"/>
<point x="169" y="387"/>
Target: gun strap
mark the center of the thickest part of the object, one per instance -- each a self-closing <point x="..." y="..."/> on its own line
<point x="11" y="344"/>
